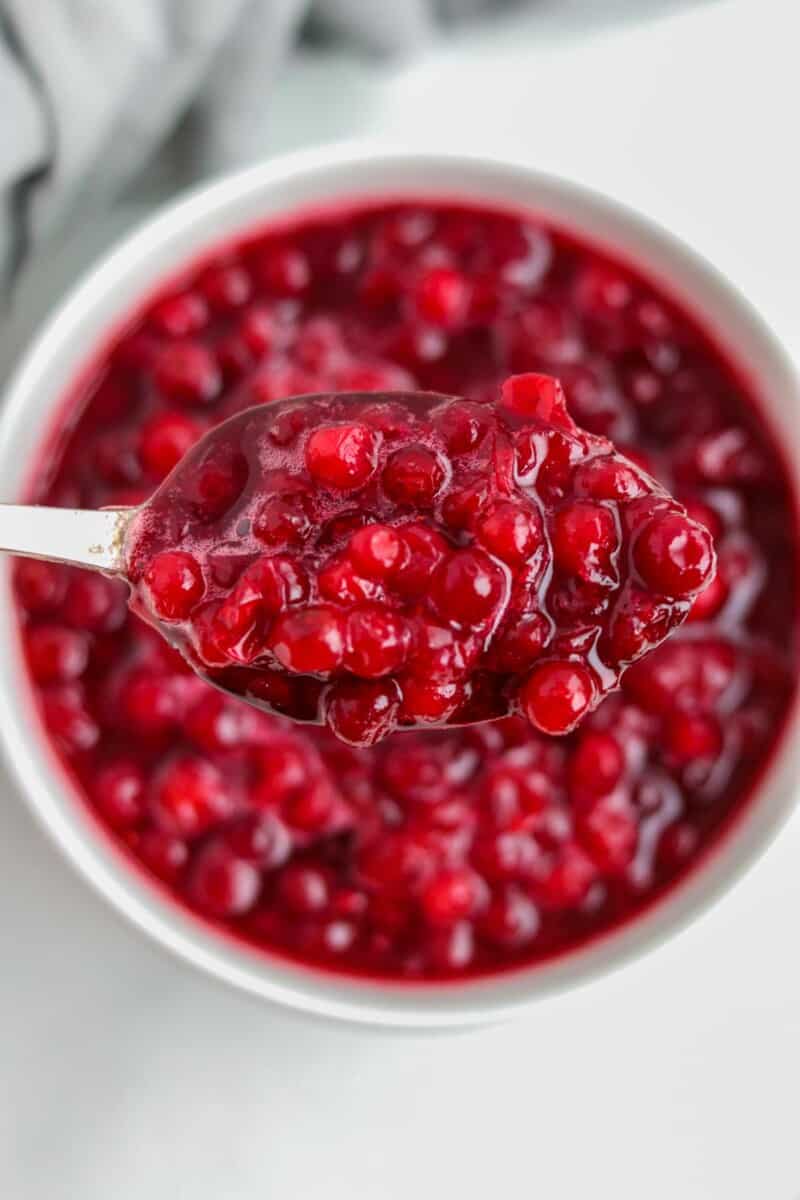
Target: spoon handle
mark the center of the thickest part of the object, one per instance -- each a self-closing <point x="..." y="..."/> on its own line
<point x="81" y="537"/>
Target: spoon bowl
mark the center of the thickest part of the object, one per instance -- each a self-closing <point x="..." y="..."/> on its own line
<point x="381" y="561"/>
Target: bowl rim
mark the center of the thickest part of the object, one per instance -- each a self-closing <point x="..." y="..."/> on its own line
<point x="41" y="779"/>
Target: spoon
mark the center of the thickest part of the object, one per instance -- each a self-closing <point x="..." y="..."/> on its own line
<point x="381" y="561"/>
<point x="76" y="537"/>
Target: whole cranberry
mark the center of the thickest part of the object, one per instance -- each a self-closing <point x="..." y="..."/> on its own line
<point x="584" y="540"/>
<point x="342" y="456"/>
<point x="310" y="641"/>
<point x="376" y="551"/>
<point x="189" y="796"/>
<point x="675" y="555"/>
<point x="164" y="440"/>
<point x="304" y="890"/>
<point x="598" y="763"/>
<point x="56" y="654"/>
<point x="377" y="641"/>
<point x="511" y="921"/>
<point x="556" y="695"/>
<point x="118" y="792"/>
<point x="187" y="371"/>
<point x="362" y="712"/>
<point x="174" y="582"/>
<point x="468" y="588"/>
<point x="413" y="476"/>
<point x="221" y="883"/>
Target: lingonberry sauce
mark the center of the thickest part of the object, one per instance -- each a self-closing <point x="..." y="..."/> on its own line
<point x="415" y="560"/>
<point x="444" y="853"/>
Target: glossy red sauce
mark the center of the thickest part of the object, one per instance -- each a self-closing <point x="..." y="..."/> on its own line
<point x="434" y="854"/>
<point x="375" y="560"/>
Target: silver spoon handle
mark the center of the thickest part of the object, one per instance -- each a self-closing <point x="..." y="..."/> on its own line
<point x="82" y="537"/>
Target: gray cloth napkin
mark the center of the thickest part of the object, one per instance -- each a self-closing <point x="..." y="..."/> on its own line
<point x="91" y="89"/>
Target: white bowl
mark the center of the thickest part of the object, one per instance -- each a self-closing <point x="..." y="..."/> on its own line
<point x="88" y="316"/>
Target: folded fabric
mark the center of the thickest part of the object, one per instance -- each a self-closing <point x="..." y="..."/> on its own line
<point x="90" y="89"/>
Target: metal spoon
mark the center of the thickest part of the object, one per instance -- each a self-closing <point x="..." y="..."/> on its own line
<point x="77" y="537"/>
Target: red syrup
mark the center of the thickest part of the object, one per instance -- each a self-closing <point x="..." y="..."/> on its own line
<point x="411" y="560"/>
<point x="440" y="853"/>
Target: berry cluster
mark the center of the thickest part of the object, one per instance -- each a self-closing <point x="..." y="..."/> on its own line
<point x="413" y="560"/>
<point x="435" y="853"/>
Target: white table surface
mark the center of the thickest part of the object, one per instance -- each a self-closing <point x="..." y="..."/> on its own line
<point x="125" y="1075"/>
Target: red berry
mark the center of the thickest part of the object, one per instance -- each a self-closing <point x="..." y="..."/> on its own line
<point x="710" y="600"/>
<point x="377" y="641"/>
<point x="339" y="582"/>
<point x="147" y="703"/>
<point x="187" y="371"/>
<point x="174" y="583"/>
<point x="608" y="479"/>
<point x="398" y="864"/>
<point x="342" y="456"/>
<point x="189" y="796"/>
<point x="462" y="508"/>
<point x="215" y="723"/>
<point x="427" y="701"/>
<point x="692" y="737"/>
<point x="221" y="883"/>
<point x="442" y="297"/>
<point x="376" y="550"/>
<point x="584" y="540"/>
<point x="179" y="316"/>
<point x="40" y="585"/>
<point x="703" y="514"/>
<point x="118" y="792"/>
<point x="674" y="555"/>
<point x="468" y="588"/>
<point x="226" y="286"/>
<point x="608" y="829"/>
<point x="259" y="330"/>
<point x="462" y="425"/>
<point x="260" y="838"/>
<point x="677" y="844"/>
<point x="556" y="695"/>
<point x="313" y="809"/>
<point x="282" y="521"/>
<point x="425" y="549"/>
<point x="164" y="854"/>
<point x="512" y="920"/>
<point x="237" y="627"/>
<point x="602" y="292"/>
<point x="440" y="653"/>
<point x="413" y="476"/>
<point x="304" y="890"/>
<point x="95" y="603"/>
<point x="216" y="483"/>
<point x="362" y="712"/>
<point x="519" y="644"/>
<point x="164" y="440"/>
<point x="284" y="270"/>
<point x="639" y="623"/>
<point x="597" y="764"/>
<point x="538" y="396"/>
<point x="55" y="654"/>
<point x="452" y="896"/>
<point x="688" y="674"/>
<point x="510" y="532"/>
<point x="450" y="948"/>
<point x="68" y="718"/>
<point x="567" y="883"/>
<point x="310" y="641"/>
<point x="275" y="582"/>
